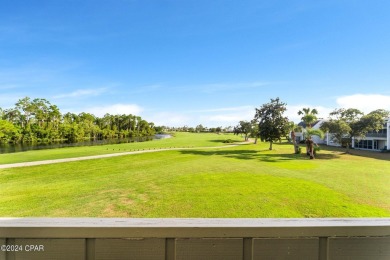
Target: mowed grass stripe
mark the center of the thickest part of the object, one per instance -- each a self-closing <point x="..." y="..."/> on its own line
<point x="243" y="181"/>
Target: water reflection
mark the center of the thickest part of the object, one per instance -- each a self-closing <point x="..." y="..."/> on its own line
<point x="14" y="148"/>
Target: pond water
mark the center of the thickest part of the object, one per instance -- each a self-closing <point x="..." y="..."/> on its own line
<point x="14" y="148"/>
<point x="162" y="136"/>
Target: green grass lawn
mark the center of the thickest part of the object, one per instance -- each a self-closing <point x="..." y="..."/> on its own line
<point x="180" y="140"/>
<point x="241" y="181"/>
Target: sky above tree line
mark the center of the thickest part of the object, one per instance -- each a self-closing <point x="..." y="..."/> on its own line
<point x="195" y="62"/>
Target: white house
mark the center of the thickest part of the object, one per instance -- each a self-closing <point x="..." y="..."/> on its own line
<point x="375" y="141"/>
<point x="316" y="125"/>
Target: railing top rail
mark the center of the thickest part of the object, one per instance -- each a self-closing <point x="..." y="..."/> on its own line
<point x="183" y="228"/>
<point x="193" y="222"/>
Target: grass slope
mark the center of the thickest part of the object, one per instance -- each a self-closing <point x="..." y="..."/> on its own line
<point x="242" y="181"/>
<point x="181" y="140"/>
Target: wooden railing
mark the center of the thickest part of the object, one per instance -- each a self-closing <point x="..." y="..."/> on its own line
<point x="187" y="239"/>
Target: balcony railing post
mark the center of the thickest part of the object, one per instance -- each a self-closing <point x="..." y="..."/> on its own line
<point x="181" y="239"/>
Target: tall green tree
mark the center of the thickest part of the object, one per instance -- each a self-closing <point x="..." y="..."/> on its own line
<point x="375" y="119"/>
<point x="54" y="122"/>
<point x="309" y="116"/>
<point x="26" y="110"/>
<point x="244" y="128"/>
<point x="272" y="124"/>
<point x="8" y="132"/>
<point x="12" y="115"/>
<point x="254" y="133"/>
<point x="293" y="128"/>
<point x="199" y="128"/>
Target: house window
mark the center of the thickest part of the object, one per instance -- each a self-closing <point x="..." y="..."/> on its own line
<point x="366" y="144"/>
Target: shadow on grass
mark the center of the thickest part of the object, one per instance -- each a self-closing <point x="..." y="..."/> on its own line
<point x="258" y="155"/>
<point x="356" y="152"/>
<point x="223" y="140"/>
<point x="239" y="154"/>
<point x="342" y="151"/>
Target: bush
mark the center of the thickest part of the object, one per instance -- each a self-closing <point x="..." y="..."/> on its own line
<point x="229" y="141"/>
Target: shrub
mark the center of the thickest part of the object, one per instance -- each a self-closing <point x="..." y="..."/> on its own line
<point x="229" y="141"/>
<point x="299" y="150"/>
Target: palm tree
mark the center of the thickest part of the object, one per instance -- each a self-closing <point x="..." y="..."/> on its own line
<point x="309" y="116"/>
<point x="293" y="129"/>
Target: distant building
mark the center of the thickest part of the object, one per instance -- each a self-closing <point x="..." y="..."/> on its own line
<point x="375" y="141"/>
<point x="316" y="125"/>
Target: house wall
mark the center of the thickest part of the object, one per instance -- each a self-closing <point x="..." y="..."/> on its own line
<point x="329" y="140"/>
<point x="317" y="139"/>
<point x="388" y="134"/>
<point x="382" y="144"/>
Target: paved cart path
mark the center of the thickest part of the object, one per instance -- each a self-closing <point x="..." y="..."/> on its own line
<point x="25" y="164"/>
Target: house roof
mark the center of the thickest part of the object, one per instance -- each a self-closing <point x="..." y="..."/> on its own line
<point x="303" y="124"/>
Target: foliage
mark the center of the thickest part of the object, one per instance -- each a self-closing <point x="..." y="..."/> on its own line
<point x="244" y="127"/>
<point x="294" y="127"/>
<point x="272" y="124"/>
<point x="309" y="116"/>
<point x="228" y="141"/>
<point x="38" y="119"/>
<point x="316" y="132"/>
<point x="8" y="132"/>
<point x="199" y="128"/>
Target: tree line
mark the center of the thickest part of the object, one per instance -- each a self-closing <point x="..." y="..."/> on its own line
<point x="270" y="125"/>
<point x="39" y="120"/>
<point x="198" y="129"/>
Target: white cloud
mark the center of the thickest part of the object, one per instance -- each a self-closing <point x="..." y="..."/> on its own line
<point x="169" y="119"/>
<point x="365" y="103"/>
<point x="228" y="119"/>
<point x="114" y="109"/>
<point x="208" y="117"/>
<point x="82" y="92"/>
<point x="225" y="116"/>
<point x="221" y="120"/>
<point x="241" y="108"/>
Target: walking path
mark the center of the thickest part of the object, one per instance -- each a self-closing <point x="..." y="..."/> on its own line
<point x="25" y="164"/>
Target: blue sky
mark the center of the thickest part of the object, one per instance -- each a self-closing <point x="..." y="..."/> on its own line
<point x="187" y="62"/>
